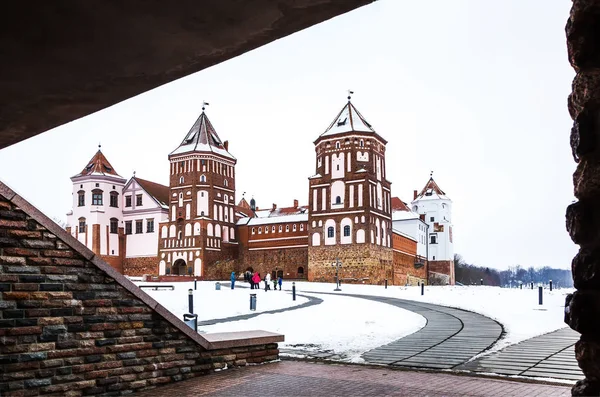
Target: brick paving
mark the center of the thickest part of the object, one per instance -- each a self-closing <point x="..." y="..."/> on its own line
<point x="295" y="378"/>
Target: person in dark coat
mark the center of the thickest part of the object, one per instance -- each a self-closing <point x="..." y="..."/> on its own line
<point x="280" y="281"/>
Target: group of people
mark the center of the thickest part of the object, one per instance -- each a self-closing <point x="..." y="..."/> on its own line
<point x="255" y="279"/>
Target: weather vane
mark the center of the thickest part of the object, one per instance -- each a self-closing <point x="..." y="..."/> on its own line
<point x="431" y="174"/>
<point x="99" y="146"/>
<point x="350" y="92"/>
<point x="204" y="105"/>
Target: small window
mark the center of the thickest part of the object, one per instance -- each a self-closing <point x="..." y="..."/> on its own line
<point x="149" y="225"/>
<point x="97" y="185"/>
<point x="114" y="199"/>
<point x="127" y="201"/>
<point x="294" y="227"/>
<point x="361" y="143"/>
<point x="202" y="178"/>
<point x="346" y="231"/>
<point x="128" y="227"/>
<point x="260" y="230"/>
<point x="273" y="229"/>
<point x="433" y="238"/>
<point x="97" y="197"/>
<point x="337" y="145"/>
<point x="139" y="226"/>
<point x="226" y="183"/>
<point x="301" y="226"/>
<point x="138" y="199"/>
<point x="181" y="180"/>
<point x="280" y="228"/>
<point x="81" y="225"/>
<point x="338" y="167"/>
<point x="181" y="163"/>
<point x="266" y="229"/>
<point x="114" y="225"/>
<point x="330" y="232"/>
<point x="81" y="199"/>
<point x="338" y="200"/>
<point x="253" y="231"/>
<point x="432" y="219"/>
<point x="287" y="228"/>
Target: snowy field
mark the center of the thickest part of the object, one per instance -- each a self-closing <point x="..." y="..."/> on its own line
<point x="350" y="326"/>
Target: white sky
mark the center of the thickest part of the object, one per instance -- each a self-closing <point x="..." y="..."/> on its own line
<point x="474" y="90"/>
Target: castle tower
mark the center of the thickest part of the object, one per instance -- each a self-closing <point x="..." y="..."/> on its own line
<point x="349" y="202"/>
<point x="97" y="215"/>
<point x="201" y="225"/>
<point x="436" y="208"/>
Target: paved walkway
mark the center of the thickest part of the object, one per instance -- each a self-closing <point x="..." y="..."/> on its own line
<point x="293" y="378"/>
<point x="547" y="356"/>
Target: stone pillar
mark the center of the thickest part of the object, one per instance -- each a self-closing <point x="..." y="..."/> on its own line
<point x="582" y="310"/>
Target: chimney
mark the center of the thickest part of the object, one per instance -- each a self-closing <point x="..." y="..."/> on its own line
<point x="226" y="144"/>
<point x="422" y="216"/>
<point x="295" y="203"/>
<point x="274" y="207"/>
<point x="414" y="194"/>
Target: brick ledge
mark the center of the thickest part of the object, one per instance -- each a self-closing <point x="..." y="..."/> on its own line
<point x="227" y="340"/>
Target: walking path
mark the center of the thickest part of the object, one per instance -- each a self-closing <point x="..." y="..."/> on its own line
<point x="547" y="356"/>
<point x="294" y="378"/>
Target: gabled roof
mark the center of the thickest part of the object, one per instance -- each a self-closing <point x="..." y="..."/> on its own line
<point x="348" y="119"/>
<point x="159" y="192"/>
<point x="99" y="166"/>
<point x="399" y="205"/>
<point x="202" y="137"/>
<point x="243" y="204"/>
<point x="431" y="191"/>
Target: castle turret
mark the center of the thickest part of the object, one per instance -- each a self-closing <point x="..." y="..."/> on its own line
<point x="436" y="208"/>
<point x="201" y="209"/>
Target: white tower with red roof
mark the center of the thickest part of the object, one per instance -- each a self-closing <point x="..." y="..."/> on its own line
<point x="436" y="207"/>
<point x="97" y="199"/>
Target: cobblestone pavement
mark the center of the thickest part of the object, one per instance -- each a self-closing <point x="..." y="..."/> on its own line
<point x="293" y="378"/>
<point x="550" y="355"/>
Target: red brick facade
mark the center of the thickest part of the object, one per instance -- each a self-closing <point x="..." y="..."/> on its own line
<point x="71" y="325"/>
<point x="140" y="266"/>
<point x="409" y="269"/>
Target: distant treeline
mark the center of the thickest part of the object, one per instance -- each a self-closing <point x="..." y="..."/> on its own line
<point x="468" y="274"/>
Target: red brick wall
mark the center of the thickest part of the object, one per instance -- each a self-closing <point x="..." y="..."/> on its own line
<point x="444" y="267"/>
<point x="114" y="261"/>
<point x="67" y="328"/>
<point x="140" y="266"/>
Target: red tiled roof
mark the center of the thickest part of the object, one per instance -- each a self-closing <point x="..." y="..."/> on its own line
<point x="399" y="205"/>
<point x="98" y="165"/>
<point x="158" y="191"/>
<point x="431" y="185"/>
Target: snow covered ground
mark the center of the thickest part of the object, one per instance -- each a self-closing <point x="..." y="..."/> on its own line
<point x="350" y="326"/>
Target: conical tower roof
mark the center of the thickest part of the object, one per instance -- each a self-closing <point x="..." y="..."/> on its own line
<point x="431" y="191"/>
<point x="348" y="120"/>
<point x="202" y="137"/>
<point x="99" y="166"/>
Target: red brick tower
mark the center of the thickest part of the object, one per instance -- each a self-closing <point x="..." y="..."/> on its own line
<point x="201" y="226"/>
<point x="349" y="203"/>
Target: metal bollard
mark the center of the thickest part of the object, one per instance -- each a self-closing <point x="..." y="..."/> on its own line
<point x="386" y="283"/>
<point x="481" y="281"/>
<point x="422" y="288"/>
<point x="293" y="290"/>
<point x="252" y="301"/>
<point x="195" y="285"/>
<point x="191" y="300"/>
<point x="550" y="285"/>
<point x="531" y="285"/>
<point x="541" y="292"/>
<point x="521" y="286"/>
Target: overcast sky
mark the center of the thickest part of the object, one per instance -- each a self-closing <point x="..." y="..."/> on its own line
<point x="474" y="90"/>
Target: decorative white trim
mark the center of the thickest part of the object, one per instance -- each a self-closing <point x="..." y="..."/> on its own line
<point x="277" y="238"/>
<point x="274" y="248"/>
<point x="339" y="213"/>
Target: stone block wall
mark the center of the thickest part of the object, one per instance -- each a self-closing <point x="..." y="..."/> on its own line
<point x="140" y="266"/>
<point x="360" y="262"/>
<point x="442" y="267"/>
<point x="70" y="325"/>
<point x="290" y="260"/>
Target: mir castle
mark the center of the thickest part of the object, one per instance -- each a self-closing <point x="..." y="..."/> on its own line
<point x="194" y="227"/>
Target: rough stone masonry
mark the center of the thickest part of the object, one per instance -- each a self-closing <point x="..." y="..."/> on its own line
<point x="70" y="327"/>
<point x="582" y="311"/>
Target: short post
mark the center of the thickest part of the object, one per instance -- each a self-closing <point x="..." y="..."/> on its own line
<point x="191" y="301"/>
<point x="481" y="281"/>
<point x="293" y="290"/>
<point x="386" y="283"/>
<point x="521" y="285"/>
<point x="422" y="288"/>
<point x="540" y="293"/>
<point x="195" y="285"/>
<point x="550" y="285"/>
<point x="252" y="301"/>
<point x="531" y="285"/>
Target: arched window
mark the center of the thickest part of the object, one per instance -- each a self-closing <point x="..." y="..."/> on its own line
<point x="80" y="198"/>
<point x="361" y="143"/>
<point x="114" y="199"/>
<point x="202" y="178"/>
<point x="330" y="231"/>
<point x="81" y="225"/>
<point x="337" y="145"/>
<point x="302" y="227"/>
<point x="181" y="180"/>
<point x="300" y="271"/>
<point x="287" y="228"/>
<point x="114" y="225"/>
<point x="346" y="230"/>
<point x="338" y="200"/>
<point x="280" y="228"/>
<point x="226" y="183"/>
